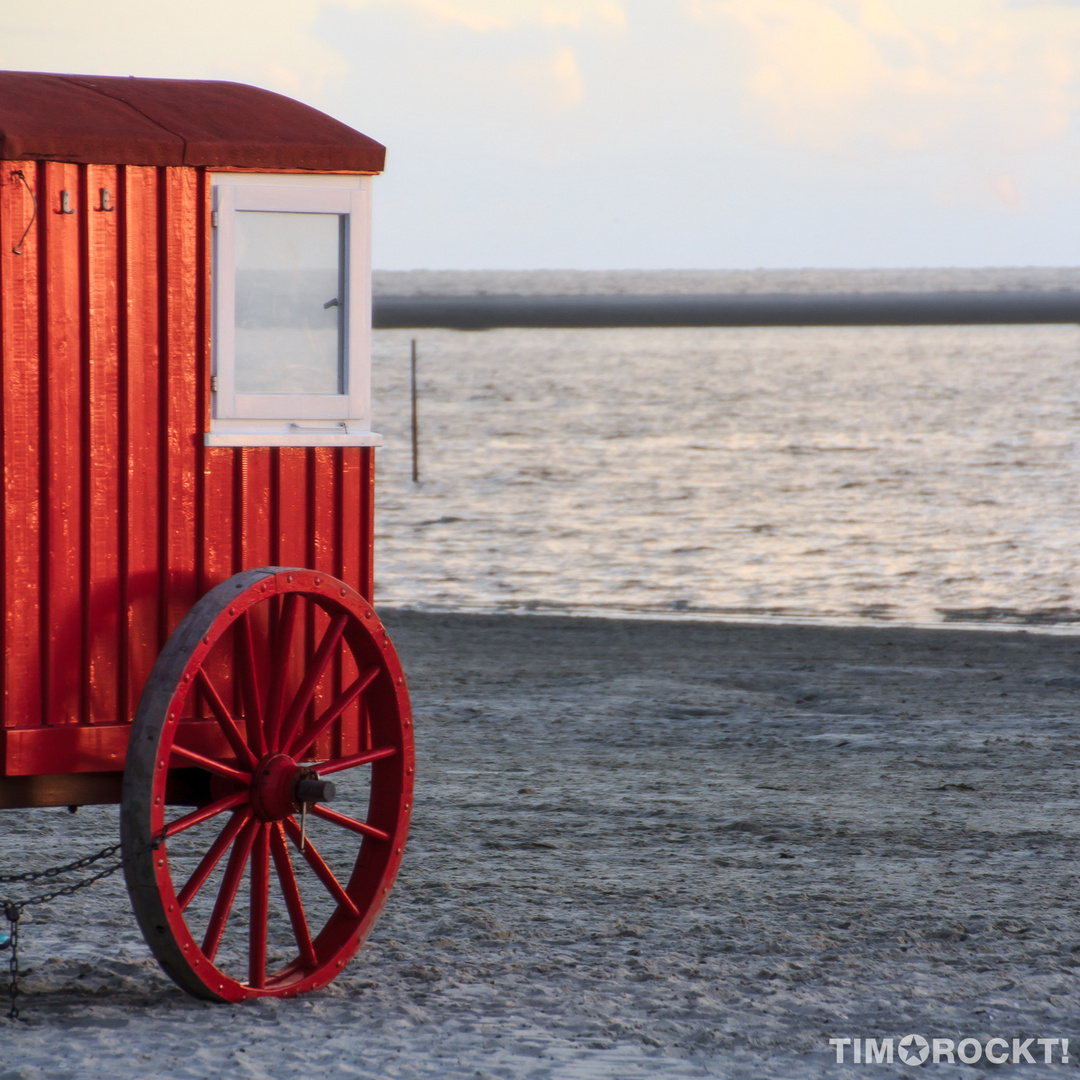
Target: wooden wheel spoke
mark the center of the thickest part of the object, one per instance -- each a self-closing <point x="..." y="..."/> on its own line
<point x="365" y="757"/>
<point x="230" y="883"/>
<point x="322" y="871"/>
<point x="260" y="907"/>
<point x="225" y="720"/>
<point x="361" y="827"/>
<point x="210" y="765"/>
<point x="291" y="891"/>
<point x="204" y="813"/>
<point x="283" y="636"/>
<point x="249" y="677"/>
<point x="319" y="664"/>
<point x="213" y="856"/>
<point x="346" y="698"/>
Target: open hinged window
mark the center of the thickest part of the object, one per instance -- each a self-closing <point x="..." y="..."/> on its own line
<point x="292" y="311"/>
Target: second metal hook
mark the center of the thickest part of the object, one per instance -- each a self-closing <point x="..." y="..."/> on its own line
<point x="18" y="174"/>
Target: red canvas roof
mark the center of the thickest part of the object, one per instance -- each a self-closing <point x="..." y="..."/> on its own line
<point x="116" y="121"/>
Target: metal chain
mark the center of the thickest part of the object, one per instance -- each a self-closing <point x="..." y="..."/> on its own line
<point x="57" y="871"/>
<point x="12" y="914"/>
<point x="13" y="909"/>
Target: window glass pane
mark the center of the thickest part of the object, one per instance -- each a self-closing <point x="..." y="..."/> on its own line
<point x="290" y="303"/>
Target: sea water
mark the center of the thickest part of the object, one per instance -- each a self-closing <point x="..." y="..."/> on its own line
<point x="903" y="475"/>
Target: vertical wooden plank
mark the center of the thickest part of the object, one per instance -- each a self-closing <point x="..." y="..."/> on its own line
<point x="288" y="525"/>
<point x="6" y="285"/>
<point x="367" y="523"/>
<point x="140" y="367"/>
<point x="62" y="442"/>
<point x="348" y="495"/>
<point x="322" y="532"/>
<point x="322" y="527"/>
<point x="219" y="508"/>
<point x="203" y="256"/>
<point x="19" y="355"/>
<point x="253" y="513"/>
<point x="179" y="283"/>
<point x="217" y="489"/>
<point x="276" y="524"/>
<point x="102" y="454"/>
<point x="347" y="567"/>
<point x="255" y="505"/>
<point x="367" y="559"/>
<point x="292" y="525"/>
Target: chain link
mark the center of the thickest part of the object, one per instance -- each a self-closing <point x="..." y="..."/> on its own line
<point x="13" y="909"/>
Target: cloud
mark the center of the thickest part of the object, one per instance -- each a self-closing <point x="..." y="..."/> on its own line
<point x="570" y="87"/>
<point x="521" y="48"/>
<point x="486" y="15"/>
<point x="268" y="42"/>
<point x="906" y="75"/>
<point x="997" y="193"/>
<point x="1006" y="190"/>
<point x="272" y="43"/>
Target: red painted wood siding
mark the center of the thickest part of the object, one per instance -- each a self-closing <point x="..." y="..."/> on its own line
<point x="115" y="517"/>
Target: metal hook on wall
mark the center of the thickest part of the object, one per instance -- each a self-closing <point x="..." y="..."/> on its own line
<point x="65" y="203"/>
<point x="17" y="249"/>
<point x="106" y="206"/>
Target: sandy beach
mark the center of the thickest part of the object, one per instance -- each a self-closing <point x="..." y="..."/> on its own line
<point x="647" y="848"/>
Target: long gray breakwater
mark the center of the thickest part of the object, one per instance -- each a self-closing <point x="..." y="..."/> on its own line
<point x="758" y="309"/>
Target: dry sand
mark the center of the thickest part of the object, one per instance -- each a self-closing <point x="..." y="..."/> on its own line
<point x="650" y="849"/>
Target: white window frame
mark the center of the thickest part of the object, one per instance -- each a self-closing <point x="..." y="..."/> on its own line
<point x="292" y="419"/>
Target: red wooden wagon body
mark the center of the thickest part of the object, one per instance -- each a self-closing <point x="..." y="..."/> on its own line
<point x="149" y="458"/>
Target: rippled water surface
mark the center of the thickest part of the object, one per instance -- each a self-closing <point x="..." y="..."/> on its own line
<point x="913" y="475"/>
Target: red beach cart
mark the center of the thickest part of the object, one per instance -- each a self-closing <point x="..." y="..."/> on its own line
<point x="186" y="525"/>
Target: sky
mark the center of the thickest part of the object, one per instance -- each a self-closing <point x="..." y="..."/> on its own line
<point x="612" y="134"/>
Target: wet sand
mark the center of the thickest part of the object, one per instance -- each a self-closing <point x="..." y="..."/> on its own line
<point x="651" y="849"/>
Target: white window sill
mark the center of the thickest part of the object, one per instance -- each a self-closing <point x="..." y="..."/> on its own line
<point x="291" y="435"/>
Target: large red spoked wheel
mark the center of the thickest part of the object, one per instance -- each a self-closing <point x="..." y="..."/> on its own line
<point x="278" y="693"/>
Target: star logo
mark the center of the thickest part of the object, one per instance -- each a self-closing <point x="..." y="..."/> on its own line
<point x="913" y="1050"/>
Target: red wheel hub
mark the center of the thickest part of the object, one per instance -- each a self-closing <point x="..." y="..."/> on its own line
<point x="273" y="787"/>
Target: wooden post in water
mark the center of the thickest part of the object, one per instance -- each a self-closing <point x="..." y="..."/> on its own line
<point x="415" y="425"/>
